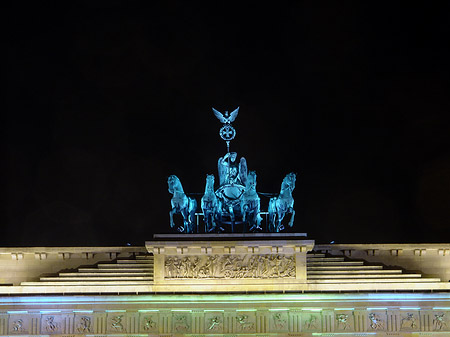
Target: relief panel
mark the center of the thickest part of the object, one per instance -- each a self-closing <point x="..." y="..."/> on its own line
<point x="441" y="321"/>
<point x="344" y="321"/>
<point x="52" y="324"/>
<point x="116" y="322"/>
<point x="279" y="321"/>
<point x="311" y="322"/>
<point x="214" y="322"/>
<point x="409" y="321"/>
<point x="181" y="322"/>
<point x="245" y="321"/>
<point x="148" y="323"/>
<point x="19" y="324"/>
<point x="83" y="324"/>
<point x="229" y="266"/>
<point x="376" y="321"/>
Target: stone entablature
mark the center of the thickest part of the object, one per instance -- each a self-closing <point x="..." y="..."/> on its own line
<point x="225" y="263"/>
<point x="227" y="314"/>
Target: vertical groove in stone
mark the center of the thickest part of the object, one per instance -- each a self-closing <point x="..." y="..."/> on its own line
<point x="3" y="325"/>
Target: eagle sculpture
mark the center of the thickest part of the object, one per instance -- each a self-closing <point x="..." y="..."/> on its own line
<point x="226" y="118"/>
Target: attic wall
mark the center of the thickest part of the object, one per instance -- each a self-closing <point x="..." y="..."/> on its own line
<point x="28" y="263"/>
<point x="432" y="260"/>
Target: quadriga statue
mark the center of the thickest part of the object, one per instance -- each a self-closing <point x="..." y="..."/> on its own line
<point x="283" y="204"/>
<point x="181" y="204"/>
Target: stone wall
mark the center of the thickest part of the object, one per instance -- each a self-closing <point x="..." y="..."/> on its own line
<point x="21" y="264"/>
<point x="432" y="260"/>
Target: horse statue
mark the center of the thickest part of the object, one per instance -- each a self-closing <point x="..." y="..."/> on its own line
<point x="284" y="203"/>
<point x="181" y="204"/>
<point x="210" y="206"/>
<point x="250" y="204"/>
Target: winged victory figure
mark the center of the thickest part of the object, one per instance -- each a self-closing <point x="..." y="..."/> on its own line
<point x="226" y="118"/>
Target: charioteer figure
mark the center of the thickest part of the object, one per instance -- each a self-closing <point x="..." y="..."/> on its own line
<point x="230" y="171"/>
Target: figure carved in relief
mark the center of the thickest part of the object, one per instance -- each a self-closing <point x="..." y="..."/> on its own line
<point x="196" y="267"/>
<point x="214" y="323"/>
<point x="117" y="323"/>
<point x="408" y="322"/>
<point x="311" y="323"/>
<point x="84" y="325"/>
<point x="244" y="324"/>
<point x="279" y="321"/>
<point x="17" y="326"/>
<point x="149" y="323"/>
<point x="375" y="322"/>
<point x="187" y="267"/>
<point x="180" y="323"/>
<point x="170" y="267"/>
<point x="439" y="322"/>
<point x="51" y="324"/>
<point x="342" y="321"/>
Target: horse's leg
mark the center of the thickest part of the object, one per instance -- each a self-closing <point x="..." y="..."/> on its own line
<point x="231" y="211"/>
<point x="244" y="209"/>
<point x="185" y="214"/>
<point x="280" y="226"/>
<point x="171" y="213"/>
<point x="292" y="211"/>
<point x="271" y="219"/>
<point x="209" y="221"/>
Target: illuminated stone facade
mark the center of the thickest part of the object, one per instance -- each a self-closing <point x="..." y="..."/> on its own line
<point x="200" y="286"/>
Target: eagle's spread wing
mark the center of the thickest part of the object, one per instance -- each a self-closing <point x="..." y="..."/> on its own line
<point x="219" y="116"/>
<point x="233" y="115"/>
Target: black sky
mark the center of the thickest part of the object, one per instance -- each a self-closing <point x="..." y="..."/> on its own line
<point x="104" y="100"/>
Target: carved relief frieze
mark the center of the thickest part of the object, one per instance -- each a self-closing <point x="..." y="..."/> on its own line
<point x="440" y="321"/>
<point x="116" y="323"/>
<point x="149" y="323"/>
<point x="214" y="322"/>
<point x="279" y="321"/>
<point x="230" y="266"/>
<point x="51" y="324"/>
<point x="18" y="324"/>
<point x="245" y="322"/>
<point x="343" y="322"/>
<point x="311" y="322"/>
<point x="376" y="321"/>
<point x="228" y="321"/>
<point x="409" y="321"/>
<point x="181" y="323"/>
<point x="83" y="324"/>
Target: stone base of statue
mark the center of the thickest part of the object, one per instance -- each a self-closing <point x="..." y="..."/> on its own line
<point x="229" y="262"/>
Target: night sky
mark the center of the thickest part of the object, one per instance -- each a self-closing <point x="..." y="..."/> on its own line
<point x="106" y="99"/>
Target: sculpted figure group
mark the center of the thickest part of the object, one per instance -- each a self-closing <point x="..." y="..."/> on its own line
<point x="230" y="266"/>
<point x="235" y="201"/>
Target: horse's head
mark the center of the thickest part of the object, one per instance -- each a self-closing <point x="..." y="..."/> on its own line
<point x="209" y="182"/>
<point x="174" y="184"/>
<point x="289" y="181"/>
<point x="251" y="180"/>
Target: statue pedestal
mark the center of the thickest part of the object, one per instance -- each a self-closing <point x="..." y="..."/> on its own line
<point x="229" y="262"/>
